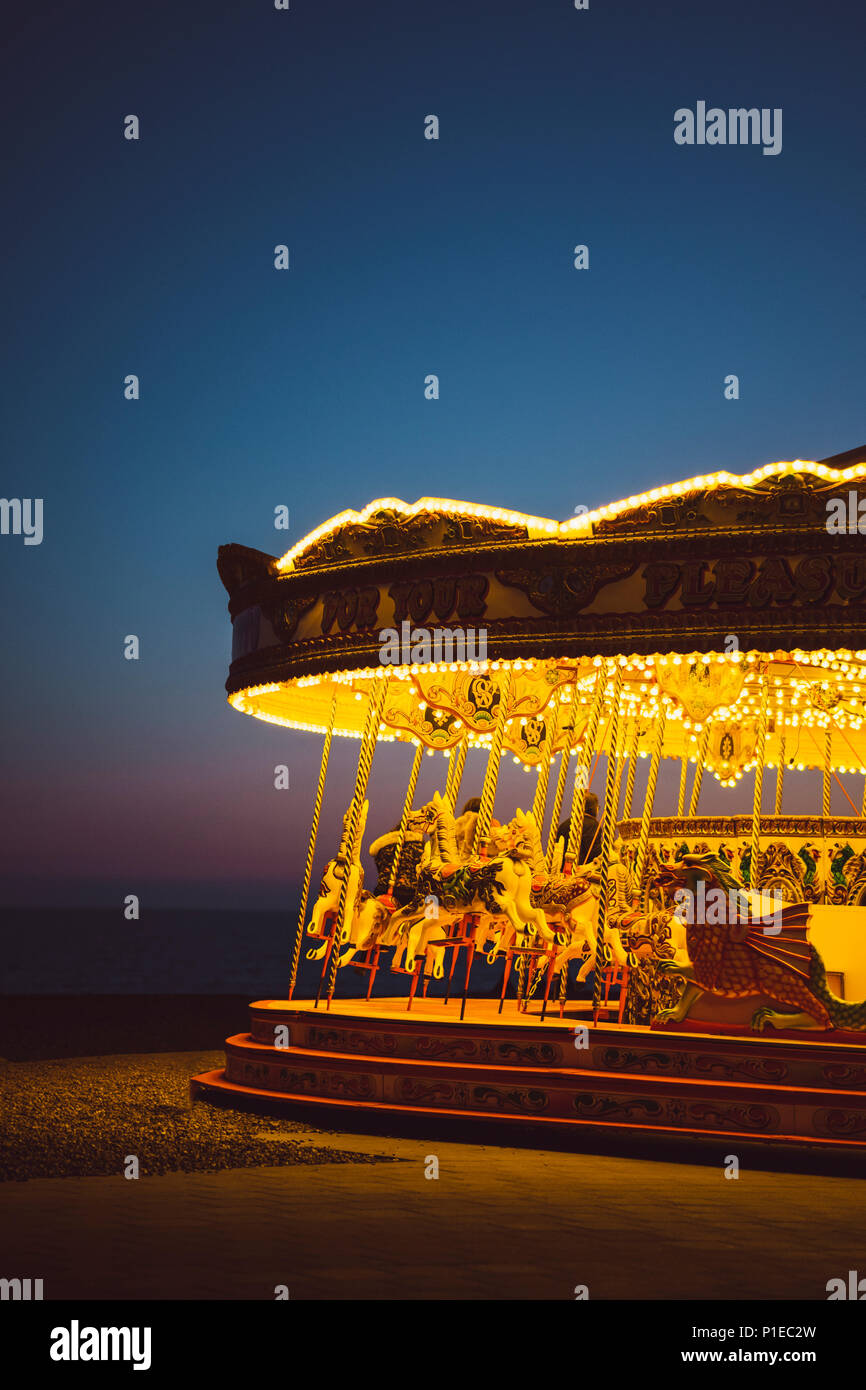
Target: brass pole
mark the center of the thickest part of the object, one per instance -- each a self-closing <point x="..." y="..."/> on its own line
<point x="632" y="770"/>
<point x="825" y="804"/>
<point x="681" y="798"/>
<point x="404" y="819"/>
<point x="620" y="769"/>
<point x="607" y="836"/>
<point x="780" y="777"/>
<point x="643" y="837"/>
<point x="558" y="795"/>
<point x="699" y="771"/>
<point x="491" y="774"/>
<point x="539" y="803"/>
<point x="456" y="763"/>
<point x="754" y="874"/>
<point x="539" y="806"/>
<point x="311" y="851"/>
<point x="581" y="775"/>
<point x="561" y="779"/>
<point x="365" y="762"/>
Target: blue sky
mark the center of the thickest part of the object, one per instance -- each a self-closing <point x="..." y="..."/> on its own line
<point x="305" y="388"/>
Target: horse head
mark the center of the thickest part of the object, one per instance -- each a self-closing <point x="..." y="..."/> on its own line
<point x="422" y="818"/>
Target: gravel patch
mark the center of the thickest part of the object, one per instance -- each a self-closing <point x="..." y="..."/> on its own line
<point x="82" y="1117"/>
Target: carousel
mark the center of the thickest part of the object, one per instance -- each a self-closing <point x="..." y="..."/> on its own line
<point x="657" y="966"/>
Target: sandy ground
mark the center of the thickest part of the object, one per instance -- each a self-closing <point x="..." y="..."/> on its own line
<point x="353" y="1216"/>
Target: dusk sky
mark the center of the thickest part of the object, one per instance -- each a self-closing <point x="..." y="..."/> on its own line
<point x="306" y="387"/>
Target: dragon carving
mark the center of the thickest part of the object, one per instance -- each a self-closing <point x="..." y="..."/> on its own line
<point x="734" y="958"/>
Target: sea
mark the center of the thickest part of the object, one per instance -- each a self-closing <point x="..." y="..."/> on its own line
<point x="85" y="951"/>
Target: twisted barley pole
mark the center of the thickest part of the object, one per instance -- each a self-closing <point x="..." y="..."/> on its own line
<point x="763" y="720"/>
<point x="620" y="769"/>
<point x="581" y="780"/>
<point x="643" y="836"/>
<point x="562" y="776"/>
<point x="699" y="771"/>
<point x="780" y="777"/>
<point x="632" y="770"/>
<point x="825" y="801"/>
<point x="539" y="804"/>
<point x="365" y="762"/>
<point x="581" y="776"/>
<point x="491" y="775"/>
<point x="311" y="851"/>
<point x="558" y="795"/>
<point x="681" y="798"/>
<point x="456" y="764"/>
<point x="404" y="819"/>
<point x="607" y="838"/>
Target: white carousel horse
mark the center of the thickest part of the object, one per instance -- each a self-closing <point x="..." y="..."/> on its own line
<point x="368" y="925"/>
<point x="497" y="888"/>
<point x="572" y="901"/>
<point x="361" y="909"/>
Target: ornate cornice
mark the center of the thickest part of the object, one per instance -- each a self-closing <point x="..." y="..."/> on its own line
<point x="674" y="574"/>
<point x="674" y="827"/>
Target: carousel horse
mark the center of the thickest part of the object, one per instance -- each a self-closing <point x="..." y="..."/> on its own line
<point x="368" y="924"/>
<point x="654" y="932"/>
<point x="396" y="889"/>
<point x="562" y="896"/>
<point x="367" y="914"/>
<point x="364" y="914"/>
<point x="572" y="901"/>
<point x="343" y="866"/>
<point x="498" y="887"/>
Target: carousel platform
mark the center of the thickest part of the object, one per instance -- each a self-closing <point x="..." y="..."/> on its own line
<point x="493" y="1072"/>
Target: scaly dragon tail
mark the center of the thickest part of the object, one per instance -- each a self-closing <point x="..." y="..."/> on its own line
<point x="844" y="1015"/>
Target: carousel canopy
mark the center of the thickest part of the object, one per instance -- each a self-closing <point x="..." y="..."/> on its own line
<point x="708" y="594"/>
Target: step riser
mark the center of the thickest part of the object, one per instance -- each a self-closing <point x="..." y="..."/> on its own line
<point x="638" y="1053"/>
<point x="494" y="1071"/>
<point x="668" y="1103"/>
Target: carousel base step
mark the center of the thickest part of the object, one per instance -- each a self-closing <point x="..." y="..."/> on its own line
<point x="501" y="1072"/>
<point x="484" y="1126"/>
